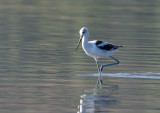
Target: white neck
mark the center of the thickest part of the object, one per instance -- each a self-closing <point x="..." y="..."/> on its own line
<point x="84" y="41"/>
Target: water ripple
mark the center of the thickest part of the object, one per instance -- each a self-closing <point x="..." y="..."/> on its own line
<point x="143" y="75"/>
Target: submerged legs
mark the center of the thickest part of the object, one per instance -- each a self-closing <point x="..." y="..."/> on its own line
<point x="100" y="69"/>
<point x="99" y="81"/>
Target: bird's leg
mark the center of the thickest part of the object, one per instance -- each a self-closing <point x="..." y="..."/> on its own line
<point x="117" y="62"/>
<point x="99" y="81"/>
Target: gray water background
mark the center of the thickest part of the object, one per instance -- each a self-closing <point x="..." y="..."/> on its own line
<point x="39" y="72"/>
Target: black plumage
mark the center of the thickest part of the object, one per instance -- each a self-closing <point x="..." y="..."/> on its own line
<point x="106" y="46"/>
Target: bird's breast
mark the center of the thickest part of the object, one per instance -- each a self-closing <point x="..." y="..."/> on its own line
<point x="93" y="51"/>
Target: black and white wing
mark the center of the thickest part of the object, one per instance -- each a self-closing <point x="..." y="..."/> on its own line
<point x="106" y="46"/>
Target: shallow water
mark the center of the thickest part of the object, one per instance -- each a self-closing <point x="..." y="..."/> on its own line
<point x="40" y="73"/>
<point x="143" y="75"/>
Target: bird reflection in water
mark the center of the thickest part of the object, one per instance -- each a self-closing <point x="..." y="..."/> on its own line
<point x="98" y="100"/>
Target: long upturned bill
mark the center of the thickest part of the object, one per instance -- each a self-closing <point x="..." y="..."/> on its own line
<point x="78" y="44"/>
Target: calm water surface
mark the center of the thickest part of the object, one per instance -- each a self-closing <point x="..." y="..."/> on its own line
<point x="39" y="72"/>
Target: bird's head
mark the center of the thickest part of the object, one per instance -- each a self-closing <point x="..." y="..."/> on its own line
<point x="83" y="33"/>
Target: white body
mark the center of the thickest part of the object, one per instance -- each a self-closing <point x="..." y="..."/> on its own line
<point x="93" y="49"/>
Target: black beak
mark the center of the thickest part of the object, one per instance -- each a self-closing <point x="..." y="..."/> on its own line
<point x="79" y="43"/>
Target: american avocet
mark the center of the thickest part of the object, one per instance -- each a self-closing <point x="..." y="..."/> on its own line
<point x="97" y="49"/>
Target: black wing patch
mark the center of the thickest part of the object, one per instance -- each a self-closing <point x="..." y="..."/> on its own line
<point x="107" y="46"/>
<point x="99" y="42"/>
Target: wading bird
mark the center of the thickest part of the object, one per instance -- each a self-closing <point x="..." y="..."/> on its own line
<point x="97" y="49"/>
